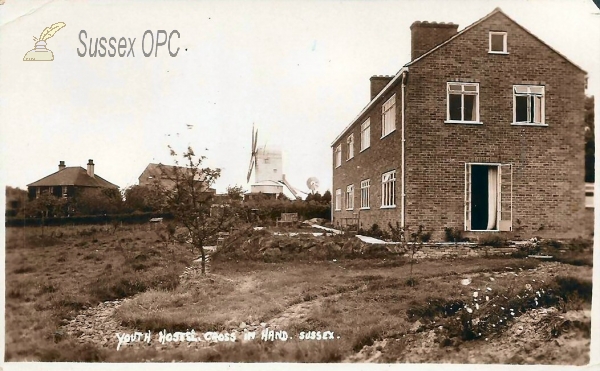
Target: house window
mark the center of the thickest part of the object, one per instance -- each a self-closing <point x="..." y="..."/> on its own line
<point x="350" y="197"/>
<point x="388" y="189"/>
<point x="350" y="143"/>
<point x="528" y="105"/>
<point x="388" y="116"/>
<point x="364" y="194"/>
<point x="463" y="102"/>
<point x="338" y="156"/>
<point x="365" y="135"/>
<point x="338" y="199"/>
<point x="498" y="42"/>
<point x="64" y="191"/>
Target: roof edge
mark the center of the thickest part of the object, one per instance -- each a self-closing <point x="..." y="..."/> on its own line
<point x="371" y="103"/>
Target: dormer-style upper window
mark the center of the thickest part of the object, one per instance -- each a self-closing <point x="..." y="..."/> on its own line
<point x="498" y="43"/>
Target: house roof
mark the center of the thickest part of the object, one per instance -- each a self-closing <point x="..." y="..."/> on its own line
<point x="74" y="176"/>
<point x="405" y="68"/>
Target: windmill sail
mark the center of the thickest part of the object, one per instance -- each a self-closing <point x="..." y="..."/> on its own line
<point x="253" y="153"/>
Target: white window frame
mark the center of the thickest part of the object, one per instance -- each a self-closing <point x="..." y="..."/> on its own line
<point x="338" y="199"/>
<point x="388" y="189"/>
<point x="338" y="156"/>
<point x="365" y="199"/>
<point x="388" y="116"/>
<point x="350" y="197"/>
<point x="350" y="147"/>
<point x="529" y="94"/>
<point x="365" y="134"/>
<point x="462" y="93"/>
<point x="504" y="40"/>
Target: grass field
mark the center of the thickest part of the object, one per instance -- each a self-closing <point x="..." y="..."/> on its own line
<point x="364" y="302"/>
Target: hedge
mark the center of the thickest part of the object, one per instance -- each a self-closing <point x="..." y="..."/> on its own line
<point x="134" y="218"/>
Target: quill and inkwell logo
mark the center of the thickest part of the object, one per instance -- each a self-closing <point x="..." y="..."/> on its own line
<point x="40" y="52"/>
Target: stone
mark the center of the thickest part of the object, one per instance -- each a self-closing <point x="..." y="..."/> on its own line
<point x="416" y="326"/>
<point x="243" y="325"/>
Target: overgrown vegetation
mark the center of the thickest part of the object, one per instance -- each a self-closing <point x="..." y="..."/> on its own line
<point x="454" y="235"/>
<point x="47" y="283"/>
<point x="493" y="240"/>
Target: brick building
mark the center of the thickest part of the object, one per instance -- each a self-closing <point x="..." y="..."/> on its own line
<point x="68" y="180"/>
<point x="483" y="130"/>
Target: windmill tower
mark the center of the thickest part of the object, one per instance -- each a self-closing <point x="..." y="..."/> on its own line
<point x="267" y="165"/>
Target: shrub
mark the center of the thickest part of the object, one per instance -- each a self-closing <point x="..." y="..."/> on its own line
<point x="580" y="244"/>
<point x="454" y="235"/>
<point x="426" y="236"/>
<point x="375" y="231"/>
<point x="493" y="240"/>
<point x="366" y="337"/>
<point x="553" y="243"/>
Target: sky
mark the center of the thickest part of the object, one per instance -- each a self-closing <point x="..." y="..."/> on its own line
<point x="299" y="71"/>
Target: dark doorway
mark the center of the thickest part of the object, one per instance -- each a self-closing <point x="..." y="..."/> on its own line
<point x="479" y="197"/>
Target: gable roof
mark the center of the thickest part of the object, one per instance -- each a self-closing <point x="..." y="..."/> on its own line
<point x="405" y="68"/>
<point x="74" y="176"/>
<point x="473" y="25"/>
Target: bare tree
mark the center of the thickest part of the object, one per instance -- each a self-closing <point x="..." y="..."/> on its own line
<point x="194" y="204"/>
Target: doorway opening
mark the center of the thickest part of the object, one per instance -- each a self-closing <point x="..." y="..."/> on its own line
<point x="488" y="197"/>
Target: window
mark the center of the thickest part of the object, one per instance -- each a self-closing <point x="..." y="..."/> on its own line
<point x="365" y="135"/>
<point x="528" y="105"/>
<point x="350" y="143"/>
<point x="338" y="199"/>
<point x="388" y="189"/>
<point x="338" y="156"/>
<point x="388" y="116"/>
<point x="364" y="194"/>
<point x="350" y="197"/>
<point x="498" y="42"/>
<point x="463" y="102"/>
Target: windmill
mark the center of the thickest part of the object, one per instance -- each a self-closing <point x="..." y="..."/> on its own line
<point x="267" y="166"/>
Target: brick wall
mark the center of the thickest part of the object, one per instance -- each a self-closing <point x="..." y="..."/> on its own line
<point x="548" y="166"/>
<point x="382" y="156"/>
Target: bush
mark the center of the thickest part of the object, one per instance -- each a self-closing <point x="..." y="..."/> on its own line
<point x="580" y="244"/>
<point x="454" y="235"/>
<point x="493" y="240"/>
<point x="374" y="232"/>
<point x="366" y="337"/>
<point x="553" y="243"/>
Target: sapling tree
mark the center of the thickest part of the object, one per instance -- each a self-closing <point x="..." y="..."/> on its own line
<point x="411" y="242"/>
<point x="194" y="205"/>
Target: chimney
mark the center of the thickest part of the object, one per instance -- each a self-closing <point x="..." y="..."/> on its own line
<point x="378" y="83"/>
<point x="61" y="165"/>
<point x="90" y="168"/>
<point x="427" y="35"/>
